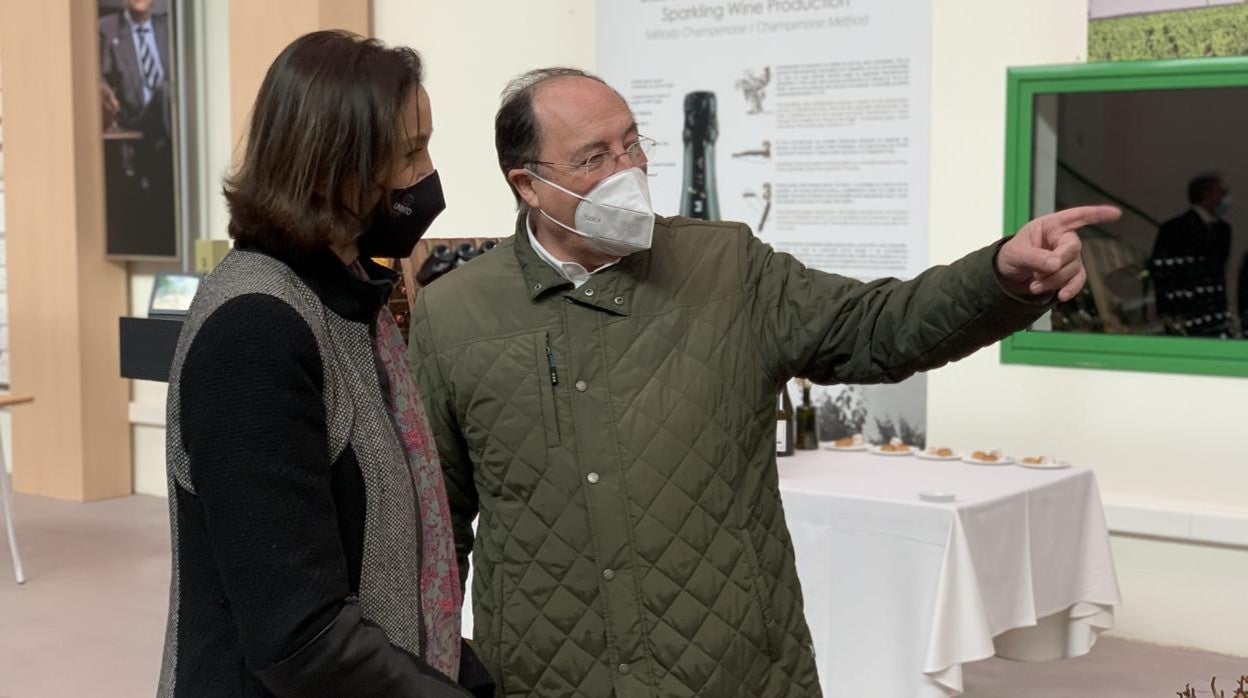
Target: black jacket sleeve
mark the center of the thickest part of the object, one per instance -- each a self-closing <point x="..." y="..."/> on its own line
<point x="254" y="424"/>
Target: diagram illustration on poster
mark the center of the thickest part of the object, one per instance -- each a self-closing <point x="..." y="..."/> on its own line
<point x="755" y="89"/>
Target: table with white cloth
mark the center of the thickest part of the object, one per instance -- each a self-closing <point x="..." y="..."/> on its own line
<point x="901" y="592"/>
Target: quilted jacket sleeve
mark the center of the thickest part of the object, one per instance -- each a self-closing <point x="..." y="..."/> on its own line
<point x="832" y="329"/>
<point x="452" y="449"/>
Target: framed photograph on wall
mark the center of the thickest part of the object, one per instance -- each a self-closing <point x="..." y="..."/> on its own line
<point x="139" y="98"/>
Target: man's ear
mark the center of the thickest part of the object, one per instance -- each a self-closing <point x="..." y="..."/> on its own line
<point x="522" y="180"/>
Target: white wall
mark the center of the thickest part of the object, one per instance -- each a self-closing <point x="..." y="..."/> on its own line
<point x="471" y="50"/>
<point x="1155" y="440"/>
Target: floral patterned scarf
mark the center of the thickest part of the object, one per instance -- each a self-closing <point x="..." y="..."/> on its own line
<point x="440" y="596"/>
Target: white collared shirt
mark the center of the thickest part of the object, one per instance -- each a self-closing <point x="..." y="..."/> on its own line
<point x="1205" y="216"/>
<point x="148" y="37"/>
<point x="571" y="271"/>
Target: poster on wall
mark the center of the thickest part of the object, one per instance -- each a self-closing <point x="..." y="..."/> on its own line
<point x="808" y="120"/>
<point x="1132" y="30"/>
<point x="137" y="103"/>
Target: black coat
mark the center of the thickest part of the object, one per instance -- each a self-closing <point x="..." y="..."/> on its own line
<point x="1188" y="267"/>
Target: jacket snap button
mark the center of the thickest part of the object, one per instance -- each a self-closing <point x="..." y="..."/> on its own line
<point x="619" y="300"/>
<point x="589" y="291"/>
<point x="608" y="575"/>
<point x="581" y="386"/>
<point x="624" y="669"/>
<point x="593" y="478"/>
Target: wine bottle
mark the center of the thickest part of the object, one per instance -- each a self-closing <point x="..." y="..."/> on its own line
<point x="785" y="426"/>
<point x="807" y="424"/>
<point x="699" y="197"/>
<point x="465" y="253"/>
<point x="441" y="260"/>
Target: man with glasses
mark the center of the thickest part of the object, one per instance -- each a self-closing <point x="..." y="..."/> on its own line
<point x="603" y="388"/>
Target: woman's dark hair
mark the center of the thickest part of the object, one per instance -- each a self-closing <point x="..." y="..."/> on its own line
<point x="322" y="141"/>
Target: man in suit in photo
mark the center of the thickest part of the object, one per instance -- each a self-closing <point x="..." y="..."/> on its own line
<point x="1188" y="263"/>
<point x="135" y="63"/>
<point x="136" y="67"/>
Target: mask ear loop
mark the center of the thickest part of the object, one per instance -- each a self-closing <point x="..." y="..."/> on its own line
<point x="543" y="180"/>
<point x="585" y="199"/>
<point x="561" y="225"/>
<point x="549" y="217"/>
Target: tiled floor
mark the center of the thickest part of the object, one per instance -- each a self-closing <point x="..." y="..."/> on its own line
<point x="91" y="618"/>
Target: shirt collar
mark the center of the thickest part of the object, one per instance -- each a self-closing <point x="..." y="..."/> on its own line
<point x="1205" y="215"/>
<point x="571" y="271"/>
<point x="136" y="25"/>
<point x="613" y="290"/>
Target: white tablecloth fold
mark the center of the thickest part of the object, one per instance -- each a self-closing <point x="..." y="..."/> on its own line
<point x="900" y="593"/>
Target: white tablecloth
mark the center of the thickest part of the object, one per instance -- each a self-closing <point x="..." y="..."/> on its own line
<point x="901" y="592"/>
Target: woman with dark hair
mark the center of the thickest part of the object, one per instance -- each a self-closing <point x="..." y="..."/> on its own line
<point x="312" y="549"/>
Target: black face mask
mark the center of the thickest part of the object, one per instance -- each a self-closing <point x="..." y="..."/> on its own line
<point x="394" y="234"/>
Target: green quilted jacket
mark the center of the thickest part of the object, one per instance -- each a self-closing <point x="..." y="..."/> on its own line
<point x="618" y="444"/>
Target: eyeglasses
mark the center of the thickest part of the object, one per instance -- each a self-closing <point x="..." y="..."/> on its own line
<point x="638" y="153"/>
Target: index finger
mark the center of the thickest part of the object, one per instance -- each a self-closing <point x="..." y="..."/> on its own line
<point x="1079" y="217"/>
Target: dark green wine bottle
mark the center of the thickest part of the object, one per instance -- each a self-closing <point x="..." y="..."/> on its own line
<point x="807" y="424"/>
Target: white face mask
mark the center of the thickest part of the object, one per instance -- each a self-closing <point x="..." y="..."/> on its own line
<point x="1223" y="209"/>
<point x="615" y="217"/>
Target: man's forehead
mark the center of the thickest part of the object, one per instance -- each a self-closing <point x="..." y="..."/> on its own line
<point x="574" y="103"/>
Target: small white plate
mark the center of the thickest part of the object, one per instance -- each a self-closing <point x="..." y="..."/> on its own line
<point x="1059" y="465"/>
<point x="938" y="497"/>
<point x="846" y="449"/>
<point x="932" y="456"/>
<point x="1003" y="460"/>
<point x="877" y="451"/>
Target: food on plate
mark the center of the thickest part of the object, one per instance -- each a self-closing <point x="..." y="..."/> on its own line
<point x="940" y="452"/>
<point x="849" y="441"/>
<point x="987" y="456"/>
<point x="895" y="445"/>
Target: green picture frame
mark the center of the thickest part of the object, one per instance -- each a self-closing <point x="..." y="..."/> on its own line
<point x="1107" y="351"/>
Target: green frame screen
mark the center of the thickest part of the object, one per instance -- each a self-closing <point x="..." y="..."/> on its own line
<point x="1107" y="351"/>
